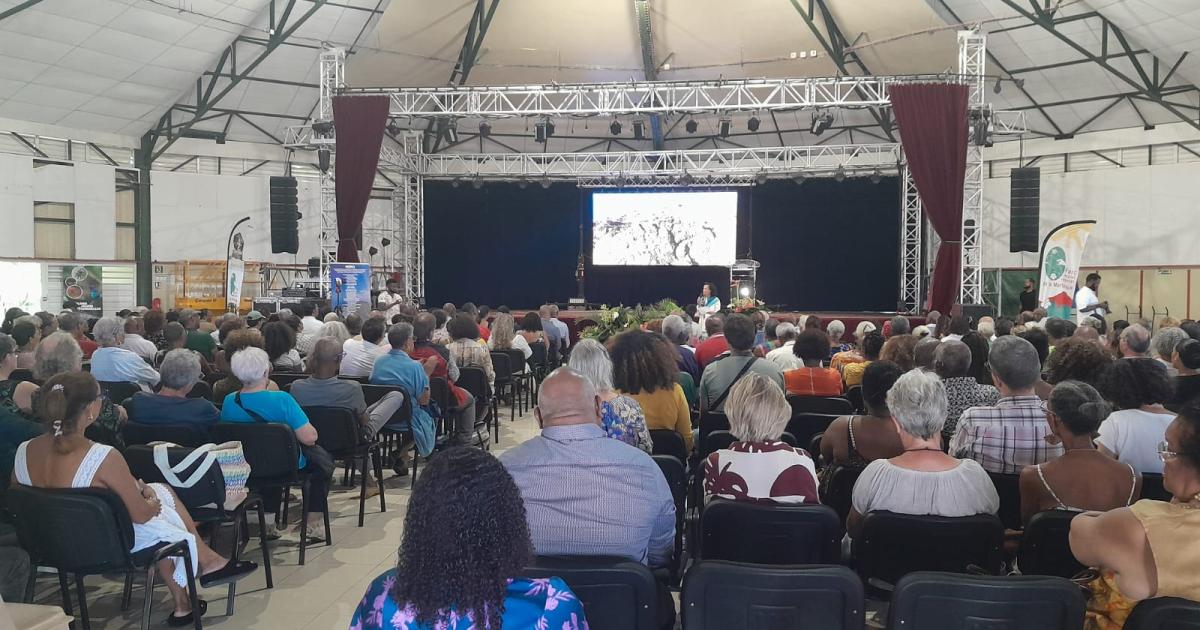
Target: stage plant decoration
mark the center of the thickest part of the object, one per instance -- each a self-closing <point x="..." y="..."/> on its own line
<point x="614" y="320"/>
<point x="746" y="305"/>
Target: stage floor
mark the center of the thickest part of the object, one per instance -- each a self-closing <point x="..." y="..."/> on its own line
<point x="574" y="318"/>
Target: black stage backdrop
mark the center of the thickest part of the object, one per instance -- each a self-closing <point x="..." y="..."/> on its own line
<point x="823" y="245"/>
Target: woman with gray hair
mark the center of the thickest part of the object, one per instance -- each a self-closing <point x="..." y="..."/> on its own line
<point x="114" y="364"/>
<point x="60" y="353"/>
<point x="923" y="479"/>
<point x="336" y="330"/>
<point x="622" y="416"/>
<point x="180" y="372"/>
<point x="758" y="467"/>
<point x="15" y="396"/>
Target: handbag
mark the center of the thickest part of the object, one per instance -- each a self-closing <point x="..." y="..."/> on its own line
<point x="229" y="458"/>
<point x="317" y="458"/>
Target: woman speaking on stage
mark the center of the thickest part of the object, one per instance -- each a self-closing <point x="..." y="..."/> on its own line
<point x="708" y="303"/>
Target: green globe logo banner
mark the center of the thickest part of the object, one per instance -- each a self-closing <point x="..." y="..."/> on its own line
<point x="1062" y="253"/>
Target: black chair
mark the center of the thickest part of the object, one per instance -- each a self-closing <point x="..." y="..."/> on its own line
<point x="668" y="442"/>
<point x="1046" y="546"/>
<point x="88" y="531"/>
<point x="474" y="380"/>
<point x="1008" y="486"/>
<point x="718" y="440"/>
<point x="834" y="405"/>
<point x="1152" y="487"/>
<point x="439" y="392"/>
<point x="1164" y="613"/>
<point x="891" y="545"/>
<point x="676" y="475"/>
<point x="805" y="425"/>
<point x="719" y="595"/>
<point x="201" y="390"/>
<point x="21" y="375"/>
<point x="118" y="391"/>
<point x="539" y="363"/>
<point x="838" y="489"/>
<point x="505" y="381"/>
<point x="272" y="451"/>
<point x="617" y="594"/>
<point x="761" y="533"/>
<point x="340" y="433"/>
<point x="284" y="379"/>
<point x="711" y="421"/>
<point x="181" y="434"/>
<point x="212" y="378"/>
<point x="932" y="600"/>
<point x="854" y="395"/>
<point x="522" y="379"/>
<point x="205" y="501"/>
<point x="357" y="379"/>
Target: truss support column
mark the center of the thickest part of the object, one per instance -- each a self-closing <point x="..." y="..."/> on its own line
<point x="142" y="253"/>
<point x="333" y="78"/>
<point x="972" y="59"/>
<point x="408" y="204"/>
<point x="911" y="224"/>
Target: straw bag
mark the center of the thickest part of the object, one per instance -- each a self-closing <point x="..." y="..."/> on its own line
<point x="228" y="457"/>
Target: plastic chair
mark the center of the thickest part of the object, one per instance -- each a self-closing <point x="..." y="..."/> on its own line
<point x="340" y="433"/>
<point x="720" y="595"/>
<point x="181" y="434"/>
<point x="668" y="442"/>
<point x="617" y="593"/>
<point x="855" y="396"/>
<point x="805" y="425"/>
<point x="932" y="600"/>
<point x="539" y="362"/>
<point x="88" y="531"/>
<point x="1152" y="487"/>
<point x="1008" y="486"/>
<point x="284" y="379"/>
<point x="673" y="470"/>
<point x="522" y="379"/>
<point x="891" y="545"/>
<point x="118" y="392"/>
<point x="505" y="382"/>
<point x="201" y="390"/>
<point x="474" y="380"/>
<point x="838" y="490"/>
<point x="762" y="533"/>
<point x="712" y="421"/>
<point x="834" y="405"/>
<point x="1164" y="613"/>
<point x="1046" y="546"/>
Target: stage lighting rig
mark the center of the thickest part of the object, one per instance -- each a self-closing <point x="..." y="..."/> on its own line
<point x="477" y="183"/>
<point x="840" y="174"/>
<point x="723" y="126"/>
<point x="452" y="131"/>
<point x="876" y="176"/>
<point x="798" y="178"/>
<point x="322" y="129"/>
<point x="760" y="179"/>
<point x="753" y="123"/>
<point x="393" y="128"/>
<point x="821" y="122"/>
<point x="545" y="181"/>
<point x="639" y="129"/>
<point x="385" y="241"/>
<point x="485" y="129"/>
<point x="615" y="127"/>
<point x="323" y="159"/>
<point x="542" y="130"/>
<point x="691" y="125"/>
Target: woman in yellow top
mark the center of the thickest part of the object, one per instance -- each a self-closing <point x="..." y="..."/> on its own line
<point x="1148" y="549"/>
<point x="871" y="345"/>
<point x="644" y="368"/>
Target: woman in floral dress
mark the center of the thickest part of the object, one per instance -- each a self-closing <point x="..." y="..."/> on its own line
<point x="622" y="416"/>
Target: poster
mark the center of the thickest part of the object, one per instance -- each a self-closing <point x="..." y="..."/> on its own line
<point x="83" y="289"/>
<point x="1062" y="253"/>
<point x="234" y="275"/>
<point x="350" y="288"/>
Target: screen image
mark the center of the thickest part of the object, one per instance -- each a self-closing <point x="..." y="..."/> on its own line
<point x="664" y="228"/>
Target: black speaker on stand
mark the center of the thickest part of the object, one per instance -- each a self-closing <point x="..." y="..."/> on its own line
<point x="1024" y="205"/>
<point x="285" y="216"/>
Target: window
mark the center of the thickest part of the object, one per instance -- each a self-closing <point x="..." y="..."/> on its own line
<point x="125" y="225"/>
<point x="54" y="230"/>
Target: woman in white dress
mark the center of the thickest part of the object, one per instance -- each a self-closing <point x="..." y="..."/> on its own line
<point x="64" y="458"/>
<point x="708" y="303"/>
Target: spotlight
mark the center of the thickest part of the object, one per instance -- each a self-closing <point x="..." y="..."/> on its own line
<point x="322" y="128"/>
<point x="452" y="131"/>
<point x="760" y="179"/>
<point x="840" y="174"/>
<point x="996" y="88"/>
<point x="639" y="129"/>
<point x="372" y="250"/>
<point x="545" y="181"/>
<point x="543" y="130"/>
<point x="723" y="126"/>
<point x="753" y="123"/>
<point x="615" y="127"/>
<point x="522" y="184"/>
<point x="744" y="291"/>
<point x="1020" y="83"/>
<point x="323" y="160"/>
<point x="686" y="179"/>
<point x="393" y="128"/>
<point x="691" y="125"/>
<point x="385" y="241"/>
<point x="821" y="122"/>
<point x="876" y="176"/>
<point x="455" y="182"/>
<point x="798" y="178"/>
<point x="477" y="183"/>
<point x="485" y="129"/>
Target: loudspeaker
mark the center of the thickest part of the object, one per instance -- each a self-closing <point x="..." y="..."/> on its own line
<point x="976" y="311"/>
<point x="1024" y="203"/>
<point x="285" y="216"/>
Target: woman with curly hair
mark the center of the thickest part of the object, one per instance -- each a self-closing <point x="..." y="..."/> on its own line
<point x="1138" y="388"/>
<point x="466" y="541"/>
<point x="644" y="369"/>
<point x="900" y="349"/>
<point x="1077" y="360"/>
<point x="280" y="343"/>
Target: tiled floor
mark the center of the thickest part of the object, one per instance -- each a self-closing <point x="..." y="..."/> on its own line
<point x="318" y="596"/>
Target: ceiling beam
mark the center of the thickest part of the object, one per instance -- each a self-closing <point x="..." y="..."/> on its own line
<point x="477" y="28"/>
<point x="641" y="9"/>
<point x="17" y="9"/>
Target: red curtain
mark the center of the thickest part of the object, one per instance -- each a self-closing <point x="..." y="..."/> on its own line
<point x="359" y="122"/>
<point x="932" y="118"/>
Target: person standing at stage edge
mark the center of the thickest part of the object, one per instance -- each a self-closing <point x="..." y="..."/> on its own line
<point x="1028" y="296"/>
<point x="1087" y="299"/>
<point x="391" y="299"/>
<point x="708" y="303"/>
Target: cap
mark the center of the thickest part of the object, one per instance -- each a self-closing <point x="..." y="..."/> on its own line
<point x="254" y="316"/>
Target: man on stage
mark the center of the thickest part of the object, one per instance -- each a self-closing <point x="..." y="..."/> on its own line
<point x="1087" y="299"/>
<point x="391" y="299"/>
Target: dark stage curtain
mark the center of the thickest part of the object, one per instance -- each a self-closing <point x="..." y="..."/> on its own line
<point x="932" y="118"/>
<point x="359" y="123"/>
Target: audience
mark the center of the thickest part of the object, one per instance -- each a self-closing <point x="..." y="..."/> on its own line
<point x="1013" y="433"/>
<point x="335" y="330"/>
<point x="1083" y="478"/>
<point x="1164" y="344"/>
<point x="811" y="348"/>
<point x="758" y="467"/>
<point x="1186" y="360"/>
<point x="620" y="415"/>
<point x="1138" y="388"/>
<point x="959" y="325"/>
<point x="952" y="363"/>
<point x="1076" y="359"/>
<point x="900" y="349"/>
<point x="1059" y="330"/>
<point x="720" y="375"/>
<point x="986" y="327"/>
<point x="678" y="332"/>
<point x="857" y="440"/>
<point x="715" y="344"/>
<point x="362" y="353"/>
<point x="15" y="396"/>
<point x="1041" y="344"/>
<point x="27" y="332"/>
<point x="75" y="324"/>
<point x="924" y="351"/>
<point x="836" y="329"/>
<point x="922" y="479"/>
<point x="783" y="356"/>
<point x="850" y="355"/>
<point x="236" y="341"/>
<point x="60" y="353"/>
<point x="113" y="364"/>
<point x="1134" y="342"/>
<point x="466" y="349"/>
<point x="153" y="323"/>
<point x="465" y="546"/>
<point x="979" y="347"/>
<point x="180" y="372"/>
<point x="531" y="328"/>
<point x="554" y="341"/>
<point x="197" y="340"/>
<point x="462" y="408"/>
<point x="900" y="326"/>
<point x="505" y="337"/>
<point x="398" y="368"/>
<point x="280" y="340"/>
<point x="644" y="369"/>
<point x="308" y="320"/>
<point x="871" y="346"/>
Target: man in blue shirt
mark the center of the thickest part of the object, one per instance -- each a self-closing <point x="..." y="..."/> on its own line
<point x="112" y="363"/>
<point x="553" y="334"/>
<point x="397" y="368"/>
<point x="171" y="405"/>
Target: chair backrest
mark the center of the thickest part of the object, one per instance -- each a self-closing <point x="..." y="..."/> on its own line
<point x="932" y="600"/>
<point x="118" y="391"/>
<point x="539" y="357"/>
<point x="835" y="405"/>
<point x="854" y="395"/>
<point x="181" y="434"/>
<point x="208" y="491"/>
<point x="374" y="393"/>
<point x="502" y="366"/>
<point x="673" y="470"/>
<point x="474" y="380"/>
<point x="719" y="595"/>
<point x="271" y="449"/>
<point x="761" y="533"/>
<point x="214" y="377"/>
<point x="358" y="379"/>
<point x="712" y="421"/>
<point x="805" y="425"/>
<point x="617" y="593"/>
<point x="22" y="376"/>
<point x="838" y="490"/>
<point x="718" y="440"/>
<point x="283" y="379"/>
<point x="1009" y="488"/>
<point x="201" y="390"/>
<point x="439" y="392"/>
<point x="516" y="358"/>
<point x="77" y="530"/>
<point x="1152" y="487"/>
<point x="668" y="442"/>
<point x="892" y="545"/>
<point x="1046" y="545"/>
<point x="1164" y="613"/>
<point x="338" y="428"/>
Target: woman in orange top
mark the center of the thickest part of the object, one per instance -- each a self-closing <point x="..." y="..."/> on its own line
<point x="812" y="380"/>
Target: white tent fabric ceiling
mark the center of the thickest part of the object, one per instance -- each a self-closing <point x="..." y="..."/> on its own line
<point x="119" y="65"/>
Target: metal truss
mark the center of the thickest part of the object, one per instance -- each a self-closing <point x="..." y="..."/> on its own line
<point x="972" y="58"/>
<point x="408" y="206"/>
<point x="468" y="54"/>
<point x="646" y="97"/>
<point x="641" y="9"/>
<point x="333" y="78"/>
<point x="911" y="223"/>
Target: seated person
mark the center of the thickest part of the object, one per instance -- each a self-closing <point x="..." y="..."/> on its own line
<point x="678" y="332"/>
<point x="15" y="396"/>
<point x="758" y="467"/>
<point x="1137" y="388"/>
<point x="399" y="369"/>
<point x="644" y="369"/>
<point x="811" y="348"/>
<point x="504" y="337"/>
<point x="113" y="364"/>
<point x="361" y="353"/>
<point x="855" y="441"/>
<point x="622" y="416"/>
<point x="234" y="342"/>
<point x="255" y="403"/>
<point x="171" y="405"/>
<point x="1186" y="360"/>
<point x="845" y="354"/>
<point x="467" y="350"/>
<point x="715" y="344"/>
<point x="923" y="479"/>
<point x="280" y="343"/>
<point x="65" y="458"/>
<point x="1083" y="478"/>
<point x="900" y="348"/>
<point x="462" y="407"/>
<point x="721" y="374"/>
<point x="783" y="355"/>
<point x="420" y="594"/>
<point x="1149" y="549"/>
<point x="952" y="363"/>
<point x="871" y="346"/>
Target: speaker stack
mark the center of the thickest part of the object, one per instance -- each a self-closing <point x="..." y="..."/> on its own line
<point x="285" y="216"/>
<point x="1024" y="204"/>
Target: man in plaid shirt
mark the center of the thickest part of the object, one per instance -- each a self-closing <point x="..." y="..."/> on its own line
<point x="1012" y="434"/>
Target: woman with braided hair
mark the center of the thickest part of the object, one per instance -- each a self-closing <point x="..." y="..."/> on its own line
<point x="64" y="458"/>
<point x="465" y="543"/>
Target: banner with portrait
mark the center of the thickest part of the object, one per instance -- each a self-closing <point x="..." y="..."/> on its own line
<point x="83" y="289"/>
<point x="1062" y="254"/>
<point x="350" y="288"/>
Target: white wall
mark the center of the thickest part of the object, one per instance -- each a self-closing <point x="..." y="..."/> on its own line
<point x="16" y="206"/>
<point x="95" y="211"/>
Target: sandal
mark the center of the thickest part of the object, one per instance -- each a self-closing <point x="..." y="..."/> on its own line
<point x="176" y="621"/>
<point x="231" y="572"/>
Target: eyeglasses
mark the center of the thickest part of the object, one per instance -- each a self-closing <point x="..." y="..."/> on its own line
<point x="1165" y="453"/>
